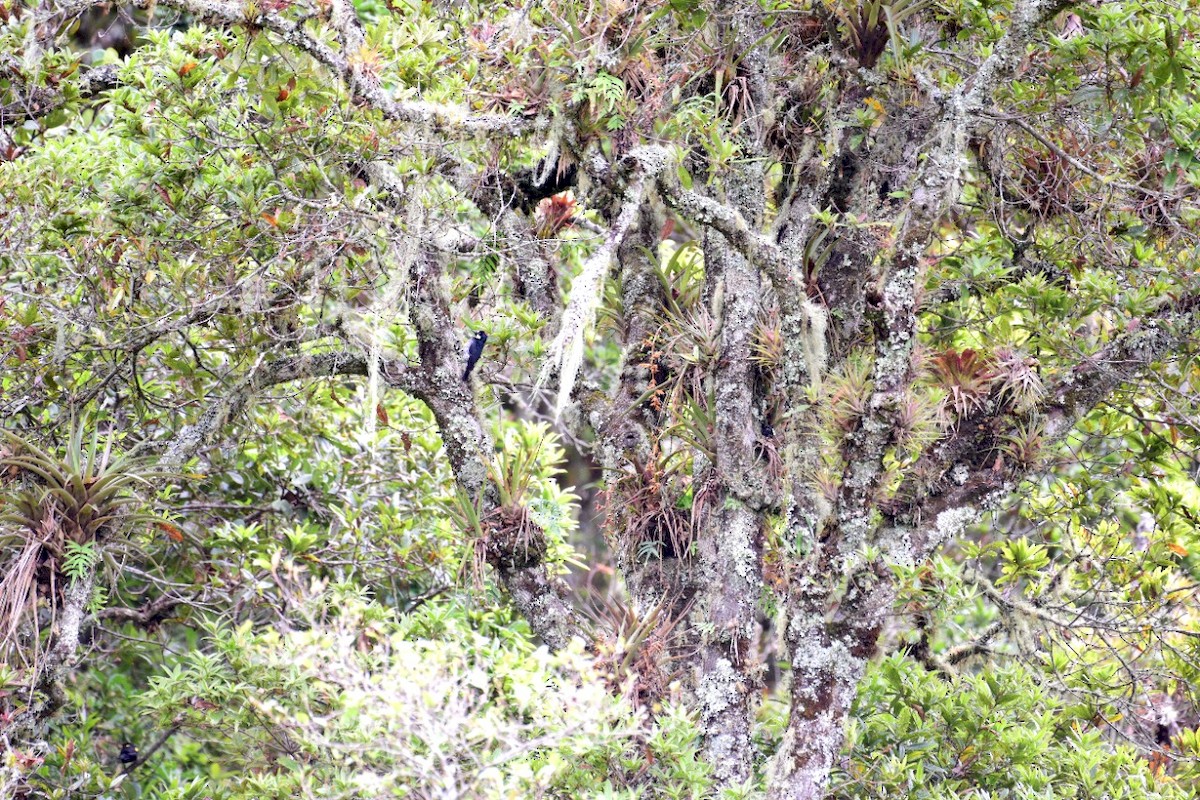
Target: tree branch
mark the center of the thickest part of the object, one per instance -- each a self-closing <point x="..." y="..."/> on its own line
<point x="39" y="102"/>
<point x="930" y="509"/>
<point x="829" y="658"/>
<point x="61" y="655"/>
<point x="936" y="187"/>
<point x="565" y="353"/>
<point x="802" y="322"/>
<point x="193" y="437"/>
<point x="516" y="551"/>
<point x="148" y="616"/>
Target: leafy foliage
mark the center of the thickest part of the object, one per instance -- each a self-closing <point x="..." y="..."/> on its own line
<point x="999" y="734"/>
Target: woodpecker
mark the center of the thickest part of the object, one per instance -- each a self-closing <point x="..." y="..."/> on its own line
<point x="474" y="351"/>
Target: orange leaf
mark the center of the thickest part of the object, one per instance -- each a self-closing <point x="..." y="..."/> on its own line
<point x="165" y="195"/>
<point x="381" y="413"/>
<point x="170" y="530"/>
<point x="286" y="91"/>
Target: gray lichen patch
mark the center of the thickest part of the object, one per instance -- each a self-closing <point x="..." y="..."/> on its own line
<point x="721" y="694"/>
<point x="817" y="655"/>
<point x="952" y="524"/>
<point x="717" y="689"/>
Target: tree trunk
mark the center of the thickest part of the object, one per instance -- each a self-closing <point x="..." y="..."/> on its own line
<point x="829" y="658"/>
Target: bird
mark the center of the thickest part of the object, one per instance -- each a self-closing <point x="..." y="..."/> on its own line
<point x="128" y="755"/>
<point x="474" y="351"/>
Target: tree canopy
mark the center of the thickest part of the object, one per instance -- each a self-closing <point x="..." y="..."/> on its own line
<point x="834" y="433"/>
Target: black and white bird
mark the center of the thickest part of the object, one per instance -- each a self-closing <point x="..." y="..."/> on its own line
<point x="128" y="756"/>
<point x="474" y="351"/>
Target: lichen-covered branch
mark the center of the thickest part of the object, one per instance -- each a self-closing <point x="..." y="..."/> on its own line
<point x="803" y="322"/>
<point x="627" y="425"/>
<point x="729" y="538"/>
<point x="565" y="353"/>
<point x="38" y="102"/>
<point x="935" y="188"/>
<point x="205" y="430"/>
<point x="829" y="658"/>
<point x="959" y="478"/>
<point x="535" y="278"/>
<point x="47" y="695"/>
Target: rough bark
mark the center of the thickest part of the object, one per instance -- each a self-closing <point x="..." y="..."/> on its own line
<point x="729" y="546"/>
<point x="729" y="540"/>
<point x="828" y="659"/>
<point x="833" y="656"/>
